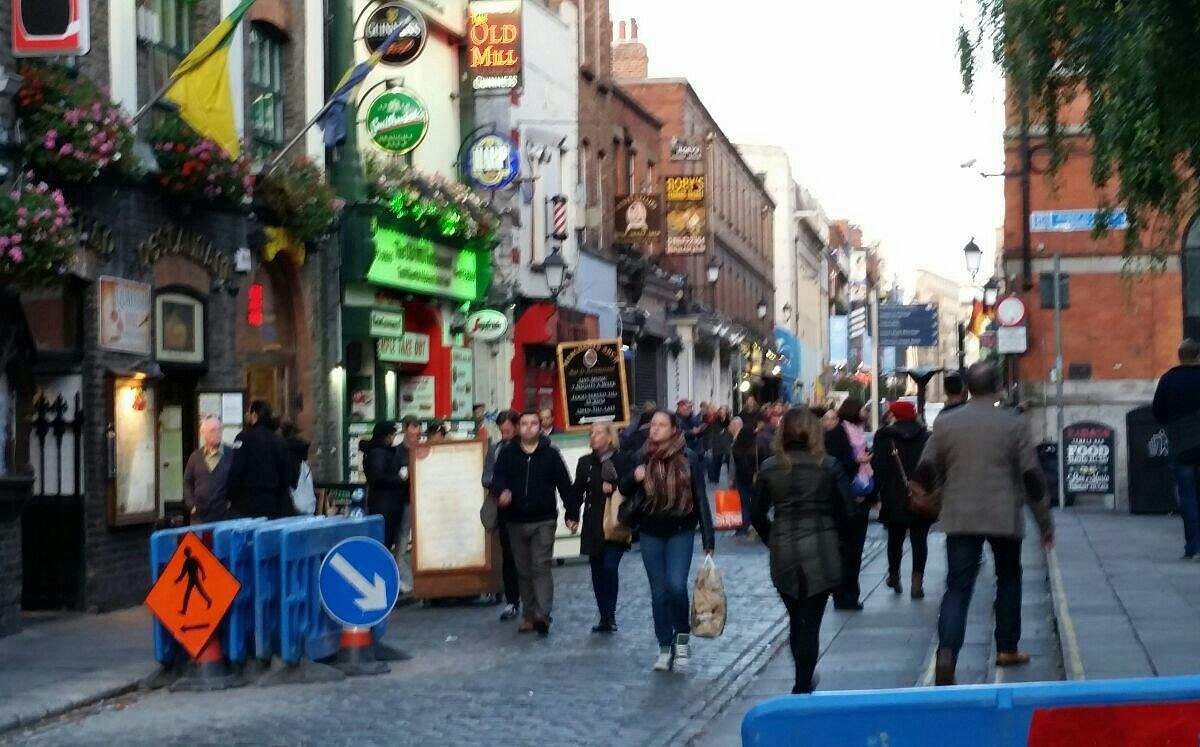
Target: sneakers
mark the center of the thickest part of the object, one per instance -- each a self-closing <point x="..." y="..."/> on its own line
<point x="683" y="652"/>
<point x="663" y="662"/>
<point x="607" y="624"/>
<point x="510" y="613"/>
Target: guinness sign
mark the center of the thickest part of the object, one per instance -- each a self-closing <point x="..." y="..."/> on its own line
<point x="385" y="19"/>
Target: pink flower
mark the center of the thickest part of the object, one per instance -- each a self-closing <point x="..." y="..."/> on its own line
<point x="16" y="255"/>
<point x="22" y="212"/>
<point x="73" y="116"/>
<point x="66" y="150"/>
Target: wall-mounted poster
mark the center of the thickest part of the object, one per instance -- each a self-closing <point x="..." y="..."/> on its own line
<point x="178" y="328"/>
<point x="592" y="382"/>
<point x="124" y="315"/>
<point x="417" y="396"/>
<point x="133" y="460"/>
<point x="462" y="383"/>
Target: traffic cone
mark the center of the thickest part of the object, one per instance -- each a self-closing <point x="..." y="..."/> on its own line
<point x="208" y="671"/>
<point x="357" y="654"/>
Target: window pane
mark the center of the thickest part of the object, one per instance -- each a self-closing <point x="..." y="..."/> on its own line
<point x="1191" y="280"/>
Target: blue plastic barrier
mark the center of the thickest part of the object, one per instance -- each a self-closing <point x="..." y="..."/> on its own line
<point x="268" y="584"/>
<point x="999" y="715"/>
<point x="306" y="631"/>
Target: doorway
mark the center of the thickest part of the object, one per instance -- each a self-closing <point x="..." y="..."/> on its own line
<point x="178" y="437"/>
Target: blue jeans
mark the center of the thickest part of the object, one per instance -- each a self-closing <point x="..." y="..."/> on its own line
<point x="1189" y="505"/>
<point x="668" y="561"/>
<point x="606" y="578"/>
<point x="964" y="552"/>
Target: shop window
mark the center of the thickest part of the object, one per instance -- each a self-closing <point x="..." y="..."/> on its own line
<point x="164" y="30"/>
<point x="264" y="83"/>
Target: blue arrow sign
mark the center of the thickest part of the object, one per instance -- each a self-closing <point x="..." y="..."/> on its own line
<point x="359" y="582"/>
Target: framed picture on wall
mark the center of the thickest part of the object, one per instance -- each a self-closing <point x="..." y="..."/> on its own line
<point x="178" y="328"/>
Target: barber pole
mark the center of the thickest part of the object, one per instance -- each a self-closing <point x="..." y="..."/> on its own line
<point x="559" y="206"/>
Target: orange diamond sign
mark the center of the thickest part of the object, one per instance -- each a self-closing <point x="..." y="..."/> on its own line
<point x="193" y="594"/>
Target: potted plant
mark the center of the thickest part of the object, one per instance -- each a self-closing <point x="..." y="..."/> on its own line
<point x="73" y="132"/>
<point x="196" y="169"/>
<point x="37" y="235"/>
<point x="296" y="198"/>
<point x="431" y="206"/>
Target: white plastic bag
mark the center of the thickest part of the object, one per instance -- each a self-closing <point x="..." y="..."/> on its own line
<point x="304" y="497"/>
<point x="708" y="601"/>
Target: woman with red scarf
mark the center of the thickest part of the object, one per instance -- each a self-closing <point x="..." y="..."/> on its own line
<point x="667" y="502"/>
<point x="898" y="449"/>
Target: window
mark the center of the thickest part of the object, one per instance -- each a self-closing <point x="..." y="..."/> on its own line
<point x="1190" y="267"/>
<point x="164" y="29"/>
<point x="1046" y="288"/>
<point x="631" y="168"/>
<point x="264" y="82"/>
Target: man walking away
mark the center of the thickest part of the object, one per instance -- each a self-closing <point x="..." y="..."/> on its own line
<point x="956" y="391"/>
<point x="1177" y="406"/>
<point x="527" y="473"/>
<point x="259" y="479"/>
<point x="204" y="476"/>
<point x="981" y="458"/>
<point x="507" y="422"/>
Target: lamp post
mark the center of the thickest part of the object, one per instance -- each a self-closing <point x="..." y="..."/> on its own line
<point x="974" y="257"/>
<point x="787" y="312"/>
<point x="991" y="290"/>
<point x="761" y="309"/>
<point x="556" y="272"/>
<point x="712" y="273"/>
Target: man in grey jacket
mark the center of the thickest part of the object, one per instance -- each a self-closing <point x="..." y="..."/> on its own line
<point x="981" y="461"/>
<point x="205" y="474"/>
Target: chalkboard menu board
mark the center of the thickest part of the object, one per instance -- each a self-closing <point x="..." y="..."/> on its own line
<point x="1090" y="458"/>
<point x="592" y="378"/>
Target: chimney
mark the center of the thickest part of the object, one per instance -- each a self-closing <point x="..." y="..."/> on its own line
<point x="630" y="60"/>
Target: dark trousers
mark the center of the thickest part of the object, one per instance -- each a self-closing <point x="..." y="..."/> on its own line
<point x="964" y="552"/>
<point x="804" y="635"/>
<point x="715" y="462"/>
<point x="853" y="538"/>
<point x="606" y="578"/>
<point x="533" y="551"/>
<point x="918" y="536"/>
<point x="393" y="513"/>
<point x="1189" y="505"/>
<point x="508" y="567"/>
<point x="745" y="489"/>
<point x="667" y="561"/>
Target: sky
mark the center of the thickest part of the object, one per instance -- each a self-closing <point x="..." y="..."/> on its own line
<point x="865" y="96"/>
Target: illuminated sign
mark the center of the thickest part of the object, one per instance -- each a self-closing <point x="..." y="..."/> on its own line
<point x="491" y="162"/>
<point x="397" y="121"/>
<point x="494" y="45"/>
<point x="417" y="264"/>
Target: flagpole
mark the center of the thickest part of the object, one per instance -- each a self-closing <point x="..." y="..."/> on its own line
<point x="153" y="100"/>
<point x="274" y="164"/>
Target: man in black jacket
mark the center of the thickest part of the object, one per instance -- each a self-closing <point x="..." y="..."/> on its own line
<point x="1176" y="403"/>
<point x="259" y="476"/>
<point x="527" y="473"/>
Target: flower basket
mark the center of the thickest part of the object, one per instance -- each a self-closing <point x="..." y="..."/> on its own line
<point x="37" y="235"/>
<point x="73" y="132"/>
<point x="195" y="168"/>
<point x="296" y="197"/>
<point x="431" y="206"/>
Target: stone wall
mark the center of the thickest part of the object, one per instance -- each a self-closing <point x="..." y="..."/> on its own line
<point x="13" y="493"/>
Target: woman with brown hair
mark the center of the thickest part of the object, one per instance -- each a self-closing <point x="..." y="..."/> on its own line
<point x="667" y="501"/>
<point x="810" y="495"/>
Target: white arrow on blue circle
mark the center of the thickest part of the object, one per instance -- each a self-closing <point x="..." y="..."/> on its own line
<point x="373" y="595"/>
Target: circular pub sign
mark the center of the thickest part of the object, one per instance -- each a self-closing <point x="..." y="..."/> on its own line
<point x="385" y="20"/>
<point x="397" y="121"/>
<point x="492" y="161"/>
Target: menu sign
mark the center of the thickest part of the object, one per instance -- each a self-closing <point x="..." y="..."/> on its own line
<point x="638" y="220"/>
<point x="592" y="382"/>
<point x="494" y="45"/>
<point x="1089" y="462"/>
<point x="687" y="217"/>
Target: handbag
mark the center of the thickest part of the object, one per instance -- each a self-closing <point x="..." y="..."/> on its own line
<point x="920" y="502"/>
<point x="614" y="530"/>
<point x="489" y="512"/>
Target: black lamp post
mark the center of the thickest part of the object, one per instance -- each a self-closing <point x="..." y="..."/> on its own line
<point x="556" y="272"/>
<point x="991" y="290"/>
<point x="974" y="257"/>
<point x="712" y="273"/>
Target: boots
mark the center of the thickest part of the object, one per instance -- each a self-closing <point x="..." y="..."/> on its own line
<point x="918" y="586"/>
<point x="893" y="582"/>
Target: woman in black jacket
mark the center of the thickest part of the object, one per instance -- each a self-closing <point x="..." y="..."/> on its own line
<point x="898" y="449"/>
<point x="810" y="497"/>
<point x="667" y="502"/>
<point x="840" y="446"/>
<point x="744" y="453"/>
<point x="381" y="463"/>
<point x="595" y="481"/>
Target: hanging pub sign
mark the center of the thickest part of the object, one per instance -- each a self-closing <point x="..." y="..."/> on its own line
<point x="491" y="161"/>
<point x="386" y="18"/>
<point x="50" y="28"/>
<point x="1090" y="460"/>
<point x="494" y="45"/>
<point x="638" y="220"/>
<point x="487" y="325"/>
<point x="686" y="150"/>
<point x="592" y="383"/>
<point x="687" y="217"/>
<point x="397" y="121"/>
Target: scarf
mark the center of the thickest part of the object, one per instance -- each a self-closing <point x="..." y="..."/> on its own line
<point x="668" y="482"/>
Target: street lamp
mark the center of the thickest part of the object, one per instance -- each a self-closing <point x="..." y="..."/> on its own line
<point x="556" y="272"/>
<point x="762" y="309"/>
<point x="991" y="290"/>
<point x="787" y="312"/>
<point x="974" y="256"/>
<point x="713" y="271"/>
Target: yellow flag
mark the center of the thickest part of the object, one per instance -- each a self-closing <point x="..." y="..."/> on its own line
<point x="201" y="86"/>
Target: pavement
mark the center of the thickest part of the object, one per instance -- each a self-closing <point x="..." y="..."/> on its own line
<point x="1113" y="600"/>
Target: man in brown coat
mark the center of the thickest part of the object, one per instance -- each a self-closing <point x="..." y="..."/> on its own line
<point x="981" y="460"/>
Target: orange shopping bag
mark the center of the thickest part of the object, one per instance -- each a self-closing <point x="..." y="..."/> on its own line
<point x="729" y="510"/>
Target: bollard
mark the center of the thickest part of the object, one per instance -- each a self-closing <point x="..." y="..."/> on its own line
<point x="207" y="671"/>
<point x="357" y="654"/>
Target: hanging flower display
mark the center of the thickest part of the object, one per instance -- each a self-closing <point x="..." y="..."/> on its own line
<point x="37" y="235"/>
<point x="296" y="197"/>
<point x="73" y="132"/>
<point x="196" y="169"/>
<point x="431" y="205"/>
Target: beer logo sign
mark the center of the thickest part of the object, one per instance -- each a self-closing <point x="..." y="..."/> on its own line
<point x="397" y="121"/>
<point x="387" y="18"/>
<point x="487" y="325"/>
<point x="492" y="162"/>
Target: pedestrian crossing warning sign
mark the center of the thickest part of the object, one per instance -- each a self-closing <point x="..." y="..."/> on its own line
<point x="192" y="595"/>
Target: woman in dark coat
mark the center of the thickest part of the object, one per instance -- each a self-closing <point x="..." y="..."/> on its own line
<point x="385" y="489"/>
<point x="596" y="480"/>
<point x="904" y="440"/>
<point x="718" y="442"/>
<point x="840" y="444"/>
<point x="810" y="497"/>
<point x="744" y="453"/>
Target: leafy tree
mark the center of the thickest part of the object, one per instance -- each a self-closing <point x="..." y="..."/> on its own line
<point x="1138" y="64"/>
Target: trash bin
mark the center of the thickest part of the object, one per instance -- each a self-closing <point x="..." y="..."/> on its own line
<point x="1151" y="484"/>
<point x="1047" y="454"/>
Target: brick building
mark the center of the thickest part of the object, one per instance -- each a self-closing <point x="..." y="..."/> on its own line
<point x="1118" y="333"/>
